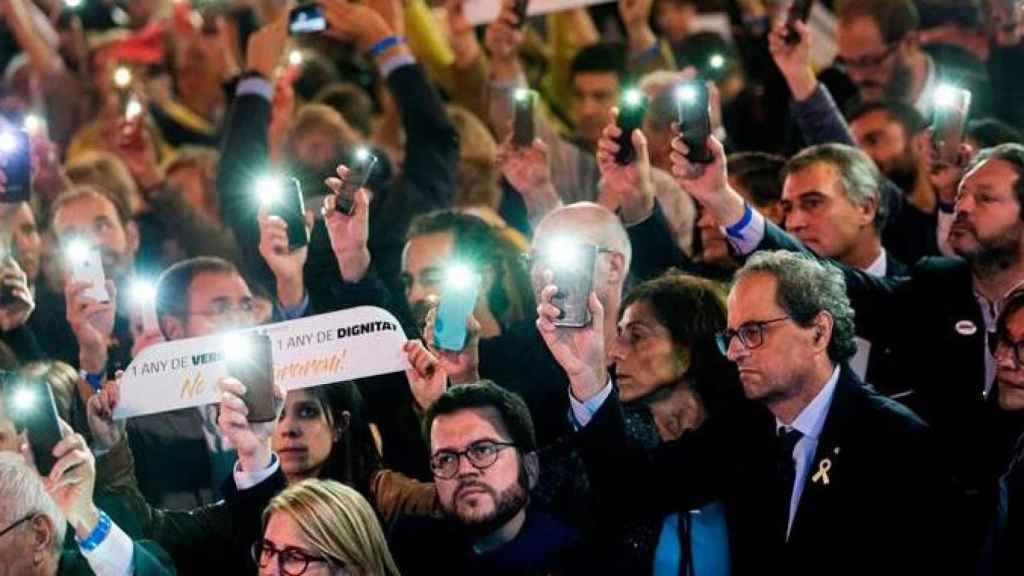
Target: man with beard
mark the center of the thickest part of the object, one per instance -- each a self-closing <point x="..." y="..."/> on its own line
<point x="481" y="440"/>
<point x="937" y="320"/>
<point x="887" y="131"/>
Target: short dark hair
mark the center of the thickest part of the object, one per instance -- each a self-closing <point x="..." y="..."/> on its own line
<point x="352" y="102"/>
<point x="119" y="203"/>
<point x="758" y="173"/>
<point x="1013" y="304"/>
<point x="173" y="284"/>
<point x="991" y="132"/>
<point x="602" y="57"/>
<point x="903" y="113"/>
<point x="317" y="72"/>
<point x="1012" y="154"/>
<point x="515" y="416"/>
<point x="861" y="179"/>
<point x="894" y="18"/>
<point x="806" y="287"/>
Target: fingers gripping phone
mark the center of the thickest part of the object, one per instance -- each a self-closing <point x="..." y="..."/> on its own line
<point x="632" y="107"/>
<point x="949" y="118"/>
<point x="694" y="116"/>
<point x="519" y="9"/>
<point x="306" y="19"/>
<point x="523" y="128"/>
<point x="359" y="174"/>
<point x="798" y="10"/>
<point x="30" y="405"/>
<point x="250" y="360"/>
<point x="573" y="268"/>
<point x="86" y="265"/>
<point x="458" y="299"/>
<point x="291" y="208"/>
<point x="6" y="256"/>
<point x="16" y="163"/>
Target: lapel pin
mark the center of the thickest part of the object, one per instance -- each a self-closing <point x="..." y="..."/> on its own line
<point x="836" y="451"/>
<point x="822" y="474"/>
<point x="965" y="328"/>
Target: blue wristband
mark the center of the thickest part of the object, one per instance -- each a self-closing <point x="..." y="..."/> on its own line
<point x="735" y="229"/>
<point x="382" y="46"/>
<point x="95" y="381"/>
<point x="98" y="534"/>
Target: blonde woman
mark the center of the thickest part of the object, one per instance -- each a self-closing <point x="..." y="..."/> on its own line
<point x="319" y="528"/>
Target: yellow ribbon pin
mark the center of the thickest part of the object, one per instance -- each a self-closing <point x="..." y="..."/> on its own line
<point x="822" y="474"/>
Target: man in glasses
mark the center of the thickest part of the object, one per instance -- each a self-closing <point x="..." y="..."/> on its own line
<point x="481" y="437"/>
<point x="828" y="464"/>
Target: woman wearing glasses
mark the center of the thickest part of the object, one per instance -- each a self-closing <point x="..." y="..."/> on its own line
<point x="321" y="528"/>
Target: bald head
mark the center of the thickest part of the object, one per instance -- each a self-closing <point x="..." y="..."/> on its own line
<point x="589" y="222"/>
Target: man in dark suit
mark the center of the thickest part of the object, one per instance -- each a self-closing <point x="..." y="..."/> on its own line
<point x="938" y="319"/>
<point x="830" y="477"/>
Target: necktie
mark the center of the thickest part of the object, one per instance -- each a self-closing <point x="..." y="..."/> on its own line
<point x="786" y="440"/>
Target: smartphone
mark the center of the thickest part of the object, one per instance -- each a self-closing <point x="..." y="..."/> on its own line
<point x="523" y="133"/>
<point x="519" y="9"/>
<point x="30" y="405"/>
<point x="694" y="116"/>
<point x="574" y="276"/>
<point x="798" y="10"/>
<point x="86" y="265"/>
<point x="252" y="363"/>
<point x="632" y="107"/>
<point x="6" y="292"/>
<point x="16" y="162"/>
<point x="290" y="206"/>
<point x="359" y="174"/>
<point x="306" y="19"/>
<point x="948" y="121"/>
<point x="458" y="299"/>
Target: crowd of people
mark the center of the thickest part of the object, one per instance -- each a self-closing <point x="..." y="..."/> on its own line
<point x="798" y="346"/>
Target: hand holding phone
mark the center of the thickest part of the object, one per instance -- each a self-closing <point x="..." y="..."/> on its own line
<point x="359" y="173"/>
<point x="283" y="198"/>
<point x="951" y="106"/>
<point x="250" y="360"/>
<point x="523" y="128"/>
<point x="86" y="265"/>
<point x="572" y="266"/>
<point x="306" y="19"/>
<point x="798" y="10"/>
<point x="29" y="403"/>
<point x="458" y="299"/>
<point x="519" y="8"/>
<point x="694" y="116"/>
<point x="632" y="107"/>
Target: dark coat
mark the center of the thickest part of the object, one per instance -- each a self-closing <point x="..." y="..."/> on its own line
<point x="148" y="559"/>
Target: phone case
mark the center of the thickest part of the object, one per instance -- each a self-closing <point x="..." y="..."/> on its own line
<point x="306" y="19"/>
<point x="575" y="284"/>
<point x="948" y="126"/>
<point x="90" y="269"/>
<point x="17" y="167"/>
<point x="359" y="174"/>
<point x="695" y="121"/>
<point x="523" y="133"/>
<point x="292" y="209"/>
<point x="456" y="305"/>
<point x="630" y="119"/>
<point x="37" y="417"/>
<point x="255" y="371"/>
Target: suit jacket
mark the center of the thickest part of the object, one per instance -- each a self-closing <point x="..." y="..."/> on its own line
<point x="881" y="373"/>
<point x="1003" y="553"/>
<point x="879" y="513"/>
<point x="172" y="459"/>
<point x="148" y="559"/>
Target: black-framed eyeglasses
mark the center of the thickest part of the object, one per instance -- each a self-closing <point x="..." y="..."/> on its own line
<point x="246" y="307"/>
<point x="481" y="454"/>
<point x="869" y="62"/>
<point x="1003" y="344"/>
<point x="291" y="561"/>
<point x="18" y="522"/>
<point x="751" y="335"/>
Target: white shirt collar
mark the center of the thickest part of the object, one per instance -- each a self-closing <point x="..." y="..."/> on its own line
<point x="924" y="100"/>
<point x="879" y="267"/>
<point x="811" y="419"/>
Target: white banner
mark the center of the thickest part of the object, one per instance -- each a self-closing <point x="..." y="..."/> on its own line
<point x="484" y="11"/>
<point x="345" y="345"/>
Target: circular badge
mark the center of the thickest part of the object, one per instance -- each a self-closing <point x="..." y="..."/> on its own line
<point x="966" y="328"/>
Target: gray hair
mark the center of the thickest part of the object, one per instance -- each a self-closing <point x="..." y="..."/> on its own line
<point x="861" y="179"/>
<point x="658" y="86"/>
<point x="22" y="493"/>
<point x="806" y="287"/>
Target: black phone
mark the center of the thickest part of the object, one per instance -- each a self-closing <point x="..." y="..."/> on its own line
<point x="523" y="131"/>
<point x="30" y="405"/>
<point x="306" y="19"/>
<point x="798" y="10"/>
<point x="519" y="9"/>
<point x="694" y="116"/>
<point x="290" y="206"/>
<point x="573" y="270"/>
<point x="948" y="121"/>
<point x="252" y="363"/>
<point x="359" y="172"/>
<point x="16" y="162"/>
<point x="632" y="107"/>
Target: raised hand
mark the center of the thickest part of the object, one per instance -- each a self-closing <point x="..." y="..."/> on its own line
<point x="92" y="323"/>
<point x="349" y="233"/>
<point x="250" y="439"/>
<point x="286" y="264"/>
<point x="427" y="380"/>
<point x="794" y="60"/>
<point x="106" y="432"/>
<point x="529" y="172"/>
<point x="266" y="47"/>
<point x="462" y="367"/>
<point x="627" y="187"/>
<point x="14" y="281"/>
<point x="707" y="183"/>
<point x="72" y="480"/>
<point x="579" y="351"/>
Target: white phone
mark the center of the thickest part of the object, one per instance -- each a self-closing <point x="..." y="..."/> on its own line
<point x="87" y="266"/>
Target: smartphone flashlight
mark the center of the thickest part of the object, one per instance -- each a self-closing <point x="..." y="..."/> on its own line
<point x="949" y="96"/>
<point x="362" y="154"/>
<point x="122" y="77"/>
<point x="77" y="250"/>
<point x="72" y="3"/>
<point x="8" y="142"/>
<point x="33" y="124"/>
<point x="144" y="294"/>
<point x="295" y="58"/>
<point x="562" y="253"/>
<point x="132" y="110"/>
<point x="235" y="347"/>
<point x="459" y="276"/>
<point x="268" y="189"/>
<point x="632" y="107"/>
<point x="24" y="399"/>
<point x="717" y="61"/>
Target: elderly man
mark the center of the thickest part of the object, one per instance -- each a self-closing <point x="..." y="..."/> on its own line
<point x="826" y="458"/>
